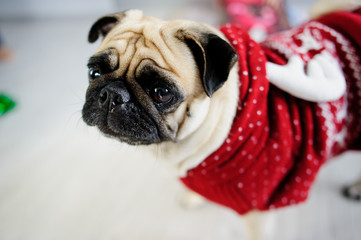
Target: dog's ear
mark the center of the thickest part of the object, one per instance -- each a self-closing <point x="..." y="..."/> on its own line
<point x="103" y="25"/>
<point x="214" y="57"/>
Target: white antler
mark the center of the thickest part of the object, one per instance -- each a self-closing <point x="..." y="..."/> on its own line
<point x="323" y="82"/>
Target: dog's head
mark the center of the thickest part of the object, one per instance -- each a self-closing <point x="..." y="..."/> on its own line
<point x="150" y="80"/>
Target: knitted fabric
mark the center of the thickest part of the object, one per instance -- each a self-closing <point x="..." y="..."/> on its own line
<point x="277" y="142"/>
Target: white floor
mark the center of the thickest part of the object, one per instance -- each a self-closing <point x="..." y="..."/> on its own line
<point x="60" y="179"/>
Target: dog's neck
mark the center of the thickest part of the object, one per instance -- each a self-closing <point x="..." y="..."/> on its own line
<point x="187" y="153"/>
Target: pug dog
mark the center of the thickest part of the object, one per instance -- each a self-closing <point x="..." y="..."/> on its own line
<point x="244" y="124"/>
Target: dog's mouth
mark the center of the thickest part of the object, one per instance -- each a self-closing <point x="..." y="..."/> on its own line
<point x="118" y="114"/>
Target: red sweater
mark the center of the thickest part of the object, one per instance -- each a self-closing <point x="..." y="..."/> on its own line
<point x="278" y="143"/>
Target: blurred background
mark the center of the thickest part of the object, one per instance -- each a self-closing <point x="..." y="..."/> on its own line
<point x="60" y="179"/>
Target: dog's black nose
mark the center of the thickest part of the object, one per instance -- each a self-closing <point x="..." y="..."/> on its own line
<point x="111" y="96"/>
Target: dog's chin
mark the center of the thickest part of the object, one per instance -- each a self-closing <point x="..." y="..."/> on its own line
<point x="129" y="138"/>
<point x="131" y="132"/>
<point x="132" y="127"/>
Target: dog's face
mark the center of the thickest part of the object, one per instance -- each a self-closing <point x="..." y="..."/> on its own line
<point x="150" y="81"/>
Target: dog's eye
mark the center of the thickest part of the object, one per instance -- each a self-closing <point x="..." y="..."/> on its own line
<point x="93" y="72"/>
<point x="162" y="95"/>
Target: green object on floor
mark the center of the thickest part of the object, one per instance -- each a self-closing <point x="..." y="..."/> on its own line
<point x="6" y="104"/>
